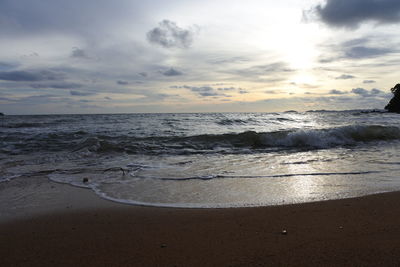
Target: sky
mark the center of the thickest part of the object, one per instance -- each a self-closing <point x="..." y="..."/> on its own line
<point x="123" y="56"/>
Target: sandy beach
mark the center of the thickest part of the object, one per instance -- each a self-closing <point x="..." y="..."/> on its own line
<point x="80" y="229"/>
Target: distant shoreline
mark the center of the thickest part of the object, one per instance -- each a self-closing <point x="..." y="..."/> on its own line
<point x="210" y="112"/>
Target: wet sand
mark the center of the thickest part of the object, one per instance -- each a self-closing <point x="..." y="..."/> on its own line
<point x="80" y="229"/>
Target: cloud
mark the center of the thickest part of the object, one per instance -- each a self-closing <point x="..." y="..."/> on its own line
<point x="365" y="93"/>
<point x="376" y="91"/>
<point x="122" y="82"/>
<point x="85" y="18"/>
<point x="360" y="48"/>
<point x="208" y="90"/>
<point x="304" y="85"/>
<point x="79" y="93"/>
<point x="169" y="35"/>
<point x="352" y="13"/>
<point x="368" y="81"/>
<point x="337" y="92"/>
<point x="269" y="68"/>
<point x="272" y="92"/>
<point x="226" y="88"/>
<point x="357" y="52"/>
<point x="236" y="59"/>
<point x="172" y="72"/>
<point x="230" y="89"/>
<point x="266" y="73"/>
<point x="345" y="77"/>
<point x="30" y="76"/>
<point x="143" y="74"/>
<point x="6" y="66"/>
<point x="205" y="91"/>
<point x="79" y="53"/>
<point x="360" y="91"/>
<point x="57" y="85"/>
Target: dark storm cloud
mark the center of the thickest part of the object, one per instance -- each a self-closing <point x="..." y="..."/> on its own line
<point x="351" y="13"/>
<point x="172" y="72"/>
<point x="30" y="76"/>
<point x="168" y="35"/>
<point x="345" y="77"/>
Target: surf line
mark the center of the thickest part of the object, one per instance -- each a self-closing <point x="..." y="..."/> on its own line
<point x="211" y="177"/>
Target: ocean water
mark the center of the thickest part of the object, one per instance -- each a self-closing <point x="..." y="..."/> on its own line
<point x="210" y="160"/>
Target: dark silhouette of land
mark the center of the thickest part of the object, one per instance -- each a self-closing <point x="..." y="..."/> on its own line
<point x="394" y="103"/>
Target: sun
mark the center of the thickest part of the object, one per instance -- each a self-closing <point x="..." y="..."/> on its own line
<point x="298" y="45"/>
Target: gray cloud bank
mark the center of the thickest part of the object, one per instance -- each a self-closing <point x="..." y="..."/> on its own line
<point x="351" y="13"/>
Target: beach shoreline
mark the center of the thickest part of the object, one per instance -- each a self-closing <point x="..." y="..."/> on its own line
<point x="80" y="228"/>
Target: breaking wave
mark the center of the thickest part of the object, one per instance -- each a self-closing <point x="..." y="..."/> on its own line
<point x="312" y="139"/>
<point x="245" y="142"/>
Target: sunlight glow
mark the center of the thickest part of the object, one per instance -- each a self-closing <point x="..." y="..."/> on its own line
<point x="303" y="77"/>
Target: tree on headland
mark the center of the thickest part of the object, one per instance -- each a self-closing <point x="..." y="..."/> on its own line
<point x="394" y="103"/>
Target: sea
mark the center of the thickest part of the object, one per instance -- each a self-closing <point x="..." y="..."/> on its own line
<point x="208" y="160"/>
